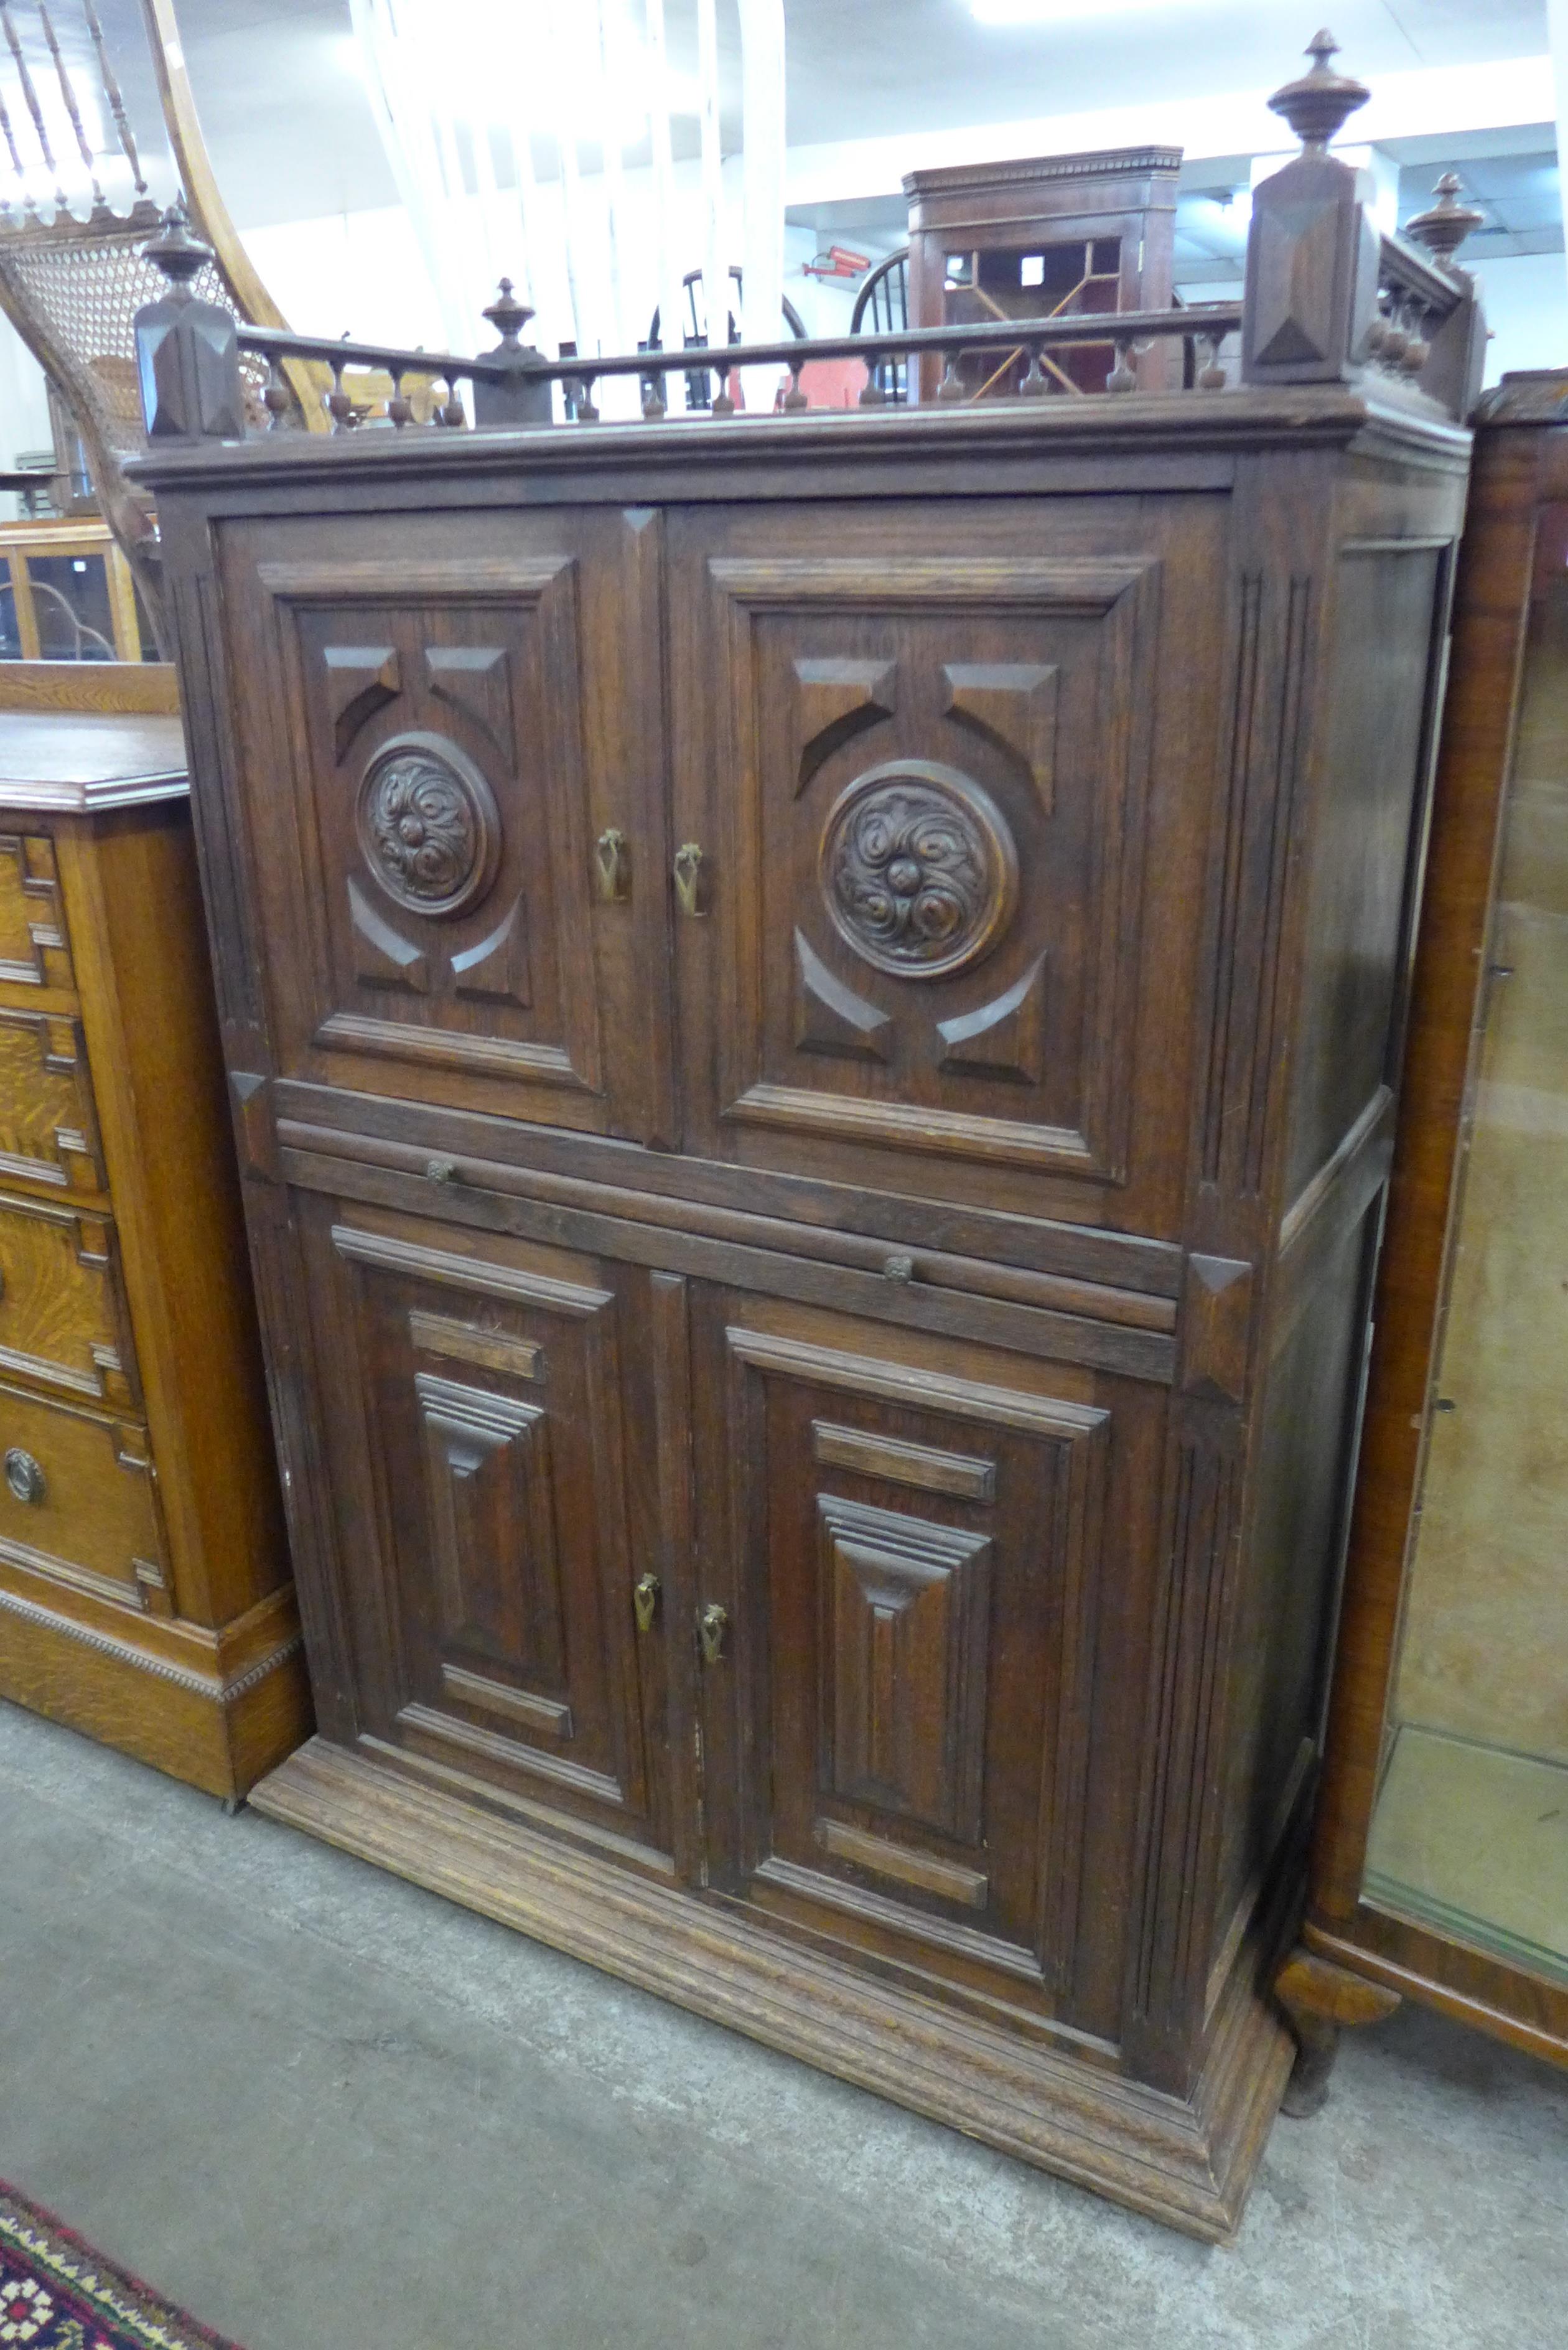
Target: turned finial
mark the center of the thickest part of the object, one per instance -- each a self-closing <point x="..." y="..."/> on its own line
<point x="1318" y="104"/>
<point x="179" y="254"/>
<point x="1445" y="226"/>
<point x="507" y="315"/>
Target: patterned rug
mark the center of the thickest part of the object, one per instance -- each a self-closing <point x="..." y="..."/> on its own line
<point x="55" y="2294"/>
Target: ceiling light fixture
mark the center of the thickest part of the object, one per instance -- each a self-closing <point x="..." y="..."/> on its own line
<point x="1054" y="12"/>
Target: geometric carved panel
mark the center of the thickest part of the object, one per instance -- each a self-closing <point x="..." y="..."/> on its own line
<point x="33" y="948"/>
<point x="493" y="1540"/>
<point x="835" y="701"/>
<point x="829" y="1016"/>
<point x="360" y="679"/>
<point x="1003" y="1038"/>
<point x="907" y="1607"/>
<point x="1012" y="703"/>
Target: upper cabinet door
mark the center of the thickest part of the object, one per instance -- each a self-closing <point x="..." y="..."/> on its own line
<point x="920" y="780"/>
<point x="454" y="777"/>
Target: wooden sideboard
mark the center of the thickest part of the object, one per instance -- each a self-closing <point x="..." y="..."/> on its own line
<point x="813" y="1009"/>
<point x="144" y="1586"/>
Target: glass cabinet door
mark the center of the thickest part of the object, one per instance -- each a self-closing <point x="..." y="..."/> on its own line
<point x="1469" y="1834"/>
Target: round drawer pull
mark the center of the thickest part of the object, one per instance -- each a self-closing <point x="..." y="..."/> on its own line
<point x="24" y="1475"/>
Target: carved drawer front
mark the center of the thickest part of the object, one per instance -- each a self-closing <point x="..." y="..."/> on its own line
<point x="479" y="1459"/>
<point x="914" y="1566"/>
<point x="34" y="948"/>
<point x="62" y="1315"/>
<point x="78" y="1501"/>
<point x="48" y="1133"/>
<point x="468" y="811"/>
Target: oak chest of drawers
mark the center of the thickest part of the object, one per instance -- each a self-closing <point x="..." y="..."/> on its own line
<point x="144" y="1587"/>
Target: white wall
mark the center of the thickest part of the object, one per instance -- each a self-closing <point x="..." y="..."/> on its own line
<point x="23" y="404"/>
<point x="1526" y="303"/>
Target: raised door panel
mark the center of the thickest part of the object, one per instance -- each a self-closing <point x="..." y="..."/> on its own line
<point x="453" y="909"/>
<point x="921" y="778"/>
<point x="900" y="1719"/>
<point x="480" y="1465"/>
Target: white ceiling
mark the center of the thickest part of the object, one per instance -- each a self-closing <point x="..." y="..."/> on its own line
<point x="292" y="135"/>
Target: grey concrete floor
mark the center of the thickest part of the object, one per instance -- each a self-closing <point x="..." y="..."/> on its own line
<point x="327" y="2111"/>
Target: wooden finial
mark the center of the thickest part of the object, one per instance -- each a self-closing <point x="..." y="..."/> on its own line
<point x="1318" y="104"/>
<point x="508" y="317"/>
<point x="1444" y="228"/>
<point x="179" y="254"/>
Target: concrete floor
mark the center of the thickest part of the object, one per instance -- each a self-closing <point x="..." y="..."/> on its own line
<point x="325" y="2111"/>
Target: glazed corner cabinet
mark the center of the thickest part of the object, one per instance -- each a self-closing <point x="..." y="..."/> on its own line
<point x="813" y="1005"/>
<point x="145" y="1595"/>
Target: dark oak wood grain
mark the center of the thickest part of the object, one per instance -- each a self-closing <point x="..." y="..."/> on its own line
<point x="809" y="1208"/>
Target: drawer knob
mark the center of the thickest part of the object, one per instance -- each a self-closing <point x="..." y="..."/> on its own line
<point x="898" y="1268"/>
<point x="24" y="1475"/>
<point x="441" y="1170"/>
<point x="645" y="1599"/>
<point x="711" y="1626"/>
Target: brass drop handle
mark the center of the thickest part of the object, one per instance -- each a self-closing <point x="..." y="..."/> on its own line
<point x="645" y="1599"/>
<point x="612" y="866"/>
<point x="711" y="1626"/>
<point x="688" y="879"/>
<point x="24" y="1476"/>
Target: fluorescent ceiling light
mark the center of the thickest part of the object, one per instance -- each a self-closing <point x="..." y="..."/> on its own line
<point x="1055" y="12"/>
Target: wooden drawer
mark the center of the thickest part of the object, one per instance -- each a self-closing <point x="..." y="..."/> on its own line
<point x="34" y="949"/>
<point x="48" y="1132"/>
<point x="77" y="1501"/>
<point x="62" y="1315"/>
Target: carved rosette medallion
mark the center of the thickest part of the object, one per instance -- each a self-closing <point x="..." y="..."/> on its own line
<point x="428" y="824"/>
<point x="919" y="869"/>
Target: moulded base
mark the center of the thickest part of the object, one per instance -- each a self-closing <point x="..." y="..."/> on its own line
<point x="1187" y="2163"/>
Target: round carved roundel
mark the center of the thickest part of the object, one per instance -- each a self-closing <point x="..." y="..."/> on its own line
<point x="919" y="869"/>
<point x="428" y="824"/>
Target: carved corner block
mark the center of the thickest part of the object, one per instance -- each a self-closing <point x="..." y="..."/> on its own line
<point x="1216" y="1320"/>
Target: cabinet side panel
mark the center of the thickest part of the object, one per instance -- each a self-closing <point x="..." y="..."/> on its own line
<point x="1365" y="856"/>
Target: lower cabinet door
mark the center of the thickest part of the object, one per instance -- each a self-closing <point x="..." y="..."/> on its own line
<point x="904" y="1538"/>
<point x="476" y="1422"/>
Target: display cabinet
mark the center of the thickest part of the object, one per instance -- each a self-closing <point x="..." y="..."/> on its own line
<point x="1054" y="236"/>
<point x="67" y="595"/>
<point x="1440" y="1867"/>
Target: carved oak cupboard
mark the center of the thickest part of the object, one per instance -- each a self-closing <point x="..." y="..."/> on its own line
<point x="813" y="1007"/>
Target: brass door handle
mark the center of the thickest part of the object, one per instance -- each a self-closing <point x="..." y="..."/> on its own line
<point x="711" y="1626"/>
<point x="612" y="866"/>
<point x="688" y="879"/>
<point x="24" y="1475"/>
<point x="645" y="1599"/>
